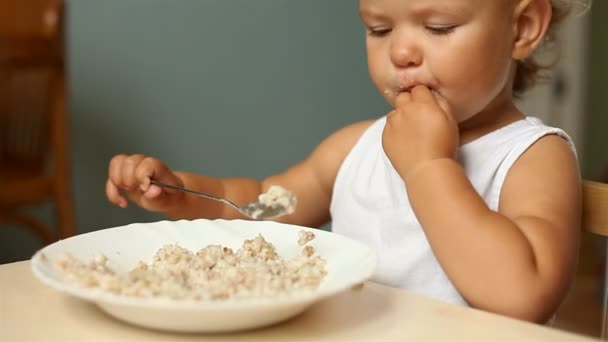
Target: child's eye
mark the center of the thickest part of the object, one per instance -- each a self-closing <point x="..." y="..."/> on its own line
<point x="441" y="29"/>
<point x="378" y="31"/>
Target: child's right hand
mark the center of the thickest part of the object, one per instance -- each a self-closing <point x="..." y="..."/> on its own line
<point x="130" y="175"/>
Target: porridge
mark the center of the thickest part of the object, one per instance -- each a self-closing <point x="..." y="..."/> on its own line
<point x="278" y="197"/>
<point x="305" y="237"/>
<point x="279" y="200"/>
<point x="214" y="272"/>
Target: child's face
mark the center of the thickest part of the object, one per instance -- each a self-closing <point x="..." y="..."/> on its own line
<point x="461" y="49"/>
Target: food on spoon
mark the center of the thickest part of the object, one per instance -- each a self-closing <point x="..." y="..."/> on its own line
<point x="215" y="272"/>
<point x="276" y="196"/>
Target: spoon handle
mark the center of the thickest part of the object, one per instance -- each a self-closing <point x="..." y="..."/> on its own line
<point x="201" y="194"/>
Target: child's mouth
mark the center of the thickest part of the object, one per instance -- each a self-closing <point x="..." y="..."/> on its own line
<point x="394" y="92"/>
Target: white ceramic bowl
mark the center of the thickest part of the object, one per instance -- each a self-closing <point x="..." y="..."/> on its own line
<point x="348" y="263"/>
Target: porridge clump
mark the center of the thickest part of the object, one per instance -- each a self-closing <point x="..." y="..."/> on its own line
<point x="277" y="196"/>
<point x="279" y="200"/>
<point x="305" y="237"/>
<point x="215" y="272"/>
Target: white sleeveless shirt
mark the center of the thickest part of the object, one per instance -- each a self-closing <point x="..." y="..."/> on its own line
<point x="370" y="202"/>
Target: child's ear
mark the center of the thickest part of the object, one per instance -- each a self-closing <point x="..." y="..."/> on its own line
<point x="532" y="18"/>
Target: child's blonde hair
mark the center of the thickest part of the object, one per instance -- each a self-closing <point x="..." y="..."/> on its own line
<point x="530" y="71"/>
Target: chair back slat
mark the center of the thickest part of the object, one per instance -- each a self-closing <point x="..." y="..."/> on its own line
<point x="31" y="50"/>
<point x="595" y="207"/>
<point x="25" y="120"/>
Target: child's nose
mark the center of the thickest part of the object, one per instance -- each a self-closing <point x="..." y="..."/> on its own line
<point x="405" y="53"/>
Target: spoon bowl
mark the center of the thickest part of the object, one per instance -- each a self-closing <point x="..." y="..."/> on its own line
<point x="253" y="210"/>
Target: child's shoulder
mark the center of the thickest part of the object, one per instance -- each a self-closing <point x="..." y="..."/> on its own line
<point x="521" y="137"/>
<point x="547" y="148"/>
<point x="547" y="171"/>
<point x="555" y="149"/>
<point x="550" y="142"/>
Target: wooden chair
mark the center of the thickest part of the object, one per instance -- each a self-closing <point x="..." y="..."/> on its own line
<point x="595" y="220"/>
<point x="34" y="142"/>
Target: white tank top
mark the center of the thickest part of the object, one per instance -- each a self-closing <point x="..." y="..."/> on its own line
<point x="370" y="203"/>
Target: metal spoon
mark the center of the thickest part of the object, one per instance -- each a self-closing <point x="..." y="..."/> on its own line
<point x="254" y="210"/>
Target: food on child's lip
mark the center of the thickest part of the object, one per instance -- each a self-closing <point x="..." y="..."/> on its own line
<point x="278" y="197"/>
<point x="214" y="273"/>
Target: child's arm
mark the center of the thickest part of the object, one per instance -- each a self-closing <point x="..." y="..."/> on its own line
<point x="518" y="261"/>
<point x="311" y="181"/>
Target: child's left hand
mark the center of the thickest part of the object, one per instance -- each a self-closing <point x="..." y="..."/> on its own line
<point x="418" y="130"/>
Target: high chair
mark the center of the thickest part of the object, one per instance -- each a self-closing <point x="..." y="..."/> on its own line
<point x="595" y="220"/>
<point x="34" y="143"/>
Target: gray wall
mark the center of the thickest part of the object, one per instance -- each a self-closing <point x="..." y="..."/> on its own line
<point x="221" y="87"/>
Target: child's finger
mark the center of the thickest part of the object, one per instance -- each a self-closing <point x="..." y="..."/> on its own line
<point x="402" y="99"/>
<point x="153" y="192"/>
<point x="424" y="94"/>
<point x="113" y="194"/>
<point x="127" y="171"/>
<point x="114" y="170"/>
<point x="444" y="105"/>
<point x="145" y="171"/>
<point x="151" y="168"/>
<point x="421" y="93"/>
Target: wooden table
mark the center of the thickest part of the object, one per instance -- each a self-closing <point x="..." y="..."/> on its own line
<point x="31" y="311"/>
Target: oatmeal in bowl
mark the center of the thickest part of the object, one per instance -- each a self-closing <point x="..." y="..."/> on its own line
<point x="204" y="275"/>
<point x="212" y="273"/>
